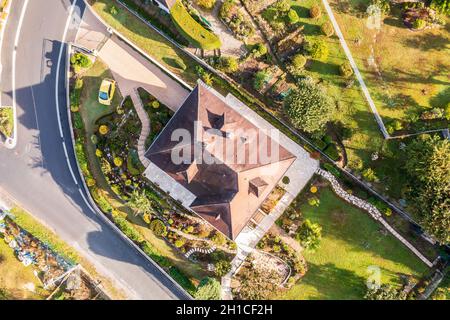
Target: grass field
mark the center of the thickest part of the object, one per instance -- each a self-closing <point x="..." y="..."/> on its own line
<point x="351" y="242"/>
<point x="16" y="280"/>
<point x="413" y="66"/>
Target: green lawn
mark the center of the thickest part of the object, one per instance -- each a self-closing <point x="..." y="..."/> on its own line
<point x="352" y="241"/>
<point x="193" y="31"/>
<point x="91" y="110"/>
<point x="414" y="66"/>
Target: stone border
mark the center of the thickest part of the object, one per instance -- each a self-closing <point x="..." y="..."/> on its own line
<point x="93" y="206"/>
<point x="372" y="210"/>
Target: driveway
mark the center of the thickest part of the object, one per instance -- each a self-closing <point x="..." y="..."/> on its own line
<point x="129" y="68"/>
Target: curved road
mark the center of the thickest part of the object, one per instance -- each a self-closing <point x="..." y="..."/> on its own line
<point x="36" y="173"/>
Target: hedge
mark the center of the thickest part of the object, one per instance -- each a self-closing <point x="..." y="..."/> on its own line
<point x="182" y="279"/>
<point x="193" y="31"/>
<point x="330" y="168"/>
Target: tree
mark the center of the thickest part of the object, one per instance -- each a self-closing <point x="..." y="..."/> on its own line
<point x="222" y="268"/>
<point x="298" y="62"/>
<point x="282" y="5"/>
<point x="259" y="50"/>
<point x="383" y="5"/>
<point x="308" y="107"/>
<point x="207" y="4"/>
<point x="309" y="235"/>
<point x="384" y="292"/>
<point x="228" y="64"/>
<point x="317" y="48"/>
<point x="139" y="203"/>
<point x="419" y="24"/>
<point x="441" y="6"/>
<point x="428" y="172"/>
<point x="261" y="78"/>
<point x="293" y="16"/>
<point x="158" y="227"/>
<point x="208" y="289"/>
<point x="346" y="69"/>
<point x="327" y="29"/>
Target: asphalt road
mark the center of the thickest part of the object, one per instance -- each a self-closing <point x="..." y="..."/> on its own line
<point x="36" y="173"/>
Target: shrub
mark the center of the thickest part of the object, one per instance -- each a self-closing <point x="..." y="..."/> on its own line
<point x="90" y="182"/>
<point x="219" y="239"/>
<point x="74" y="108"/>
<point x="80" y="60"/>
<point x="103" y="129"/>
<point x="158" y="227"/>
<point x="207" y="4"/>
<point x="127" y="228"/>
<point x="282" y="5"/>
<point x="298" y="62"/>
<point x="346" y="69"/>
<point x="155" y="104"/>
<point x="147" y="218"/>
<point x="261" y="79"/>
<point x="369" y="174"/>
<point x="383" y="5"/>
<point x="441" y="6"/>
<point x="315" y="11"/>
<point x="222" y="268"/>
<point x="447" y="112"/>
<point x="313" y="189"/>
<point x="330" y="168"/>
<point x="286" y="180"/>
<point x="98" y="153"/>
<point x="332" y="152"/>
<point x="327" y="29"/>
<point x="228" y="64"/>
<point x="317" y="49"/>
<point x="308" y="107"/>
<point x="182" y="279"/>
<point x="208" y="289"/>
<point x="435" y="113"/>
<point x="207" y="78"/>
<point x="259" y="50"/>
<point x="118" y="161"/>
<point x="293" y="16"/>
<point x="309" y="235"/>
<point x="419" y="24"/>
<point x="179" y="242"/>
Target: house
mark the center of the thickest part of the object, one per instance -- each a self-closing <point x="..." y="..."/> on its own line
<point x="228" y="189"/>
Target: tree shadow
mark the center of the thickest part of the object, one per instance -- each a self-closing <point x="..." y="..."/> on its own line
<point x="441" y="99"/>
<point x="334" y="283"/>
<point x="428" y="41"/>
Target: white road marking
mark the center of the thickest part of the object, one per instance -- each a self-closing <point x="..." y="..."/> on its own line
<point x="58" y="67"/>
<point x="16" y="43"/>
